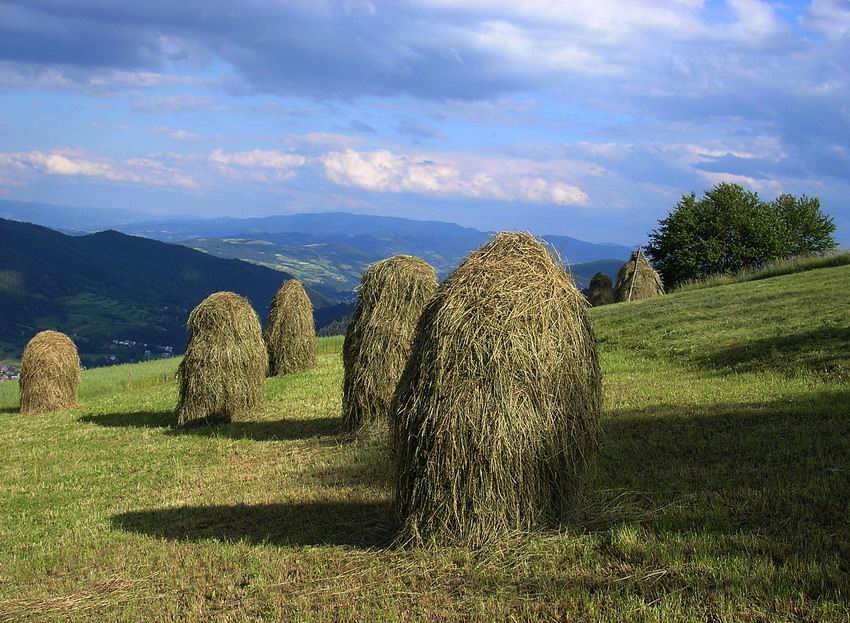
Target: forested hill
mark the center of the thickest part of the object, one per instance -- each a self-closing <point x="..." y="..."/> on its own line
<point x="109" y="286"/>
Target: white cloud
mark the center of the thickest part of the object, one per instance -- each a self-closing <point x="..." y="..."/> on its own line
<point x="258" y="165"/>
<point x="66" y="163"/>
<point x="179" y="135"/>
<point x="481" y="178"/>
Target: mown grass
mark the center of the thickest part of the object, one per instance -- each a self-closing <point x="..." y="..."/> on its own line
<point x="722" y="490"/>
<point x="772" y="269"/>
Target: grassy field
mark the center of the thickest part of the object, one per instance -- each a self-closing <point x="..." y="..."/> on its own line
<point x="721" y="493"/>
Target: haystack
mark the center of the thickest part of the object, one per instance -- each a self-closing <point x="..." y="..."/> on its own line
<point x="221" y="376"/>
<point x="495" y="416"/>
<point x="290" y="333"/>
<point x="637" y="279"/>
<point x="50" y="373"/>
<point x="601" y="290"/>
<point x="391" y="297"/>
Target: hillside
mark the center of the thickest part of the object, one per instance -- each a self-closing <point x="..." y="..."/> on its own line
<point x="328" y="251"/>
<point x="721" y="490"/>
<point x="333" y="264"/>
<point x="110" y="286"/>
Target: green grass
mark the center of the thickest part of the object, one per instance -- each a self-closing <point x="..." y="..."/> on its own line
<point x="772" y="269"/>
<point x="722" y="490"/>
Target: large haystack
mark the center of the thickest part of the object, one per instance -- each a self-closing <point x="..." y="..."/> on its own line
<point x="50" y="373"/>
<point x="637" y="279"/>
<point x="495" y="416"/>
<point x="221" y="375"/>
<point x="290" y="333"/>
<point x="601" y="290"/>
<point x="391" y="297"/>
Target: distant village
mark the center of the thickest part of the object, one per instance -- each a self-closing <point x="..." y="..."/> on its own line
<point x="122" y="351"/>
<point x="9" y="373"/>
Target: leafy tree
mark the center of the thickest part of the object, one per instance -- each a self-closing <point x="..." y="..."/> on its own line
<point x="808" y="229"/>
<point x="729" y="229"/>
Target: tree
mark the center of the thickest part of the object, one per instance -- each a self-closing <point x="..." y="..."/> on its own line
<point x="808" y="229"/>
<point x="729" y="229"/>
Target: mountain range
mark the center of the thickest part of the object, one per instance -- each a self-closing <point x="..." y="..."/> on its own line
<point x="108" y="287"/>
<point x="137" y="281"/>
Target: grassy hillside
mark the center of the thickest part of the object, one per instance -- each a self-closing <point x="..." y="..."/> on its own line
<point x="109" y="286"/>
<point x="722" y="490"/>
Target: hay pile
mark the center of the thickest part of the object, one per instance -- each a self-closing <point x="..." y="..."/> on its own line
<point x="221" y="376"/>
<point x="392" y="294"/>
<point x="637" y="279"/>
<point x="495" y="416"/>
<point x="50" y="373"/>
<point x="601" y="291"/>
<point x="290" y="333"/>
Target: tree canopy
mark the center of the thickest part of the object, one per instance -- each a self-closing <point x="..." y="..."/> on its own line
<point x="729" y="229"/>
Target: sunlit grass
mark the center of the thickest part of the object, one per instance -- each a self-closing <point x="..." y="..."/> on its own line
<point x="721" y="491"/>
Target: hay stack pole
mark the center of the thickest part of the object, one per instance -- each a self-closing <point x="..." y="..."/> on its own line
<point x="221" y="376"/>
<point x="637" y="279"/>
<point x="290" y="333"/>
<point x="391" y="296"/>
<point x="496" y="414"/>
<point x="50" y="373"/>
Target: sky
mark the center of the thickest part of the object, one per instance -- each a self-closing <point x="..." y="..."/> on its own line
<point x="587" y="118"/>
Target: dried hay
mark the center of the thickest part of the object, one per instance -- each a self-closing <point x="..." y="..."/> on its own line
<point x="392" y="294"/>
<point x="496" y="414"/>
<point x="637" y="279"/>
<point x="290" y="333"/>
<point x="50" y="373"/>
<point x="601" y="290"/>
<point x="221" y="376"/>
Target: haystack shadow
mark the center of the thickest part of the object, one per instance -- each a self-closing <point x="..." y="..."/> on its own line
<point x="135" y="419"/>
<point x="824" y="351"/>
<point x="734" y="468"/>
<point x="262" y="430"/>
<point x="365" y="525"/>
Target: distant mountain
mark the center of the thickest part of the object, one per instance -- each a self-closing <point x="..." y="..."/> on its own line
<point x="66" y="218"/>
<point x="361" y="231"/>
<point x="109" y="286"/>
<point x="327" y="251"/>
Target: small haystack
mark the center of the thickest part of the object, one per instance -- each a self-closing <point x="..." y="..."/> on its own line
<point x="601" y="290"/>
<point x="221" y="376"/>
<point x="637" y="279"/>
<point x="290" y="333"/>
<point x="391" y="297"/>
<point x="50" y="373"/>
<point x="496" y="414"/>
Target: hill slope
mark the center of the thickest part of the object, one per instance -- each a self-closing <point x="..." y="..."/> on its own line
<point x="333" y="264"/>
<point x="721" y="490"/>
<point x="110" y="286"/>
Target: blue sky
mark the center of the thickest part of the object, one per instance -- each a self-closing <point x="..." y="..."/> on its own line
<point x="587" y="118"/>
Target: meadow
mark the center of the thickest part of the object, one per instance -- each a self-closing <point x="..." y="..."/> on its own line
<point x="721" y="490"/>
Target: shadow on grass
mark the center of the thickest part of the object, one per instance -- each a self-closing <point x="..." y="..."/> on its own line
<point x="137" y="419"/>
<point x="824" y="351"/>
<point x="288" y="429"/>
<point x="777" y="473"/>
<point x="280" y="430"/>
<point x="8" y="410"/>
<point x="361" y="525"/>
